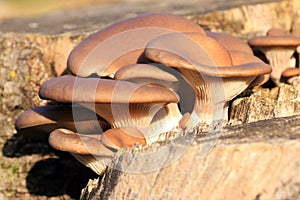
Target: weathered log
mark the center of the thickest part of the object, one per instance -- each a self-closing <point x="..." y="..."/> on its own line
<point x="267" y="103"/>
<point x="258" y="160"/>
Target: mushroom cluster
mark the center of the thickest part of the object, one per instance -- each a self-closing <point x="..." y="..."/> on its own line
<point x="139" y="78"/>
<point x="279" y="49"/>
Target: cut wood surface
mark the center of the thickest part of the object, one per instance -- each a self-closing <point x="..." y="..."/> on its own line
<point x="259" y="160"/>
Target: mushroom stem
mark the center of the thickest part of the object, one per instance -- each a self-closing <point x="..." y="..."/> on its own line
<point x="279" y="59"/>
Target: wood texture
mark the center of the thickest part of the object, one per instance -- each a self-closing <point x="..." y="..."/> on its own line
<point x="252" y="161"/>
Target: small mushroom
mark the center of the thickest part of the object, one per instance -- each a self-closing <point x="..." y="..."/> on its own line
<point x="278" y="49"/>
<point x="40" y="121"/>
<point x="120" y="103"/>
<point x="208" y="68"/>
<point x="98" y="53"/>
<point x="122" y="137"/>
<point x="289" y="74"/>
<point x="88" y="150"/>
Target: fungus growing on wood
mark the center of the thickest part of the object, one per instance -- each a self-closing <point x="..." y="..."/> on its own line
<point x="123" y="137"/>
<point x="120" y="103"/>
<point x="278" y="48"/>
<point x="289" y="74"/>
<point x="88" y="150"/>
<point x="38" y="122"/>
<point x="157" y="75"/>
<point x="97" y="54"/>
<point x="208" y="68"/>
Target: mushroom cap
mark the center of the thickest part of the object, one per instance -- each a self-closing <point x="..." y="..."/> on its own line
<point x="66" y="140"/>
<point x="187" y="53"/>
<point x="38" y="122"/>
<point x="122" y="137"/>
<point x="290" y="72"/>
<point x="275" y="31"/>
<point x="260" y="80"/>
<point x="148" y="25"/>
<point x="192" y="48"/>
<point x="274" y="40"/>
<point x="241" y="57"/>
<point x="161" y="76"/>
<point x="69" y="88"/>
<point x="144" y="71"/>
<point x="230" y="42"/>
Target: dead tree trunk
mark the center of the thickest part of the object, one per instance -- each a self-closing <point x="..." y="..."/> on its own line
<point x="258" y="160"/>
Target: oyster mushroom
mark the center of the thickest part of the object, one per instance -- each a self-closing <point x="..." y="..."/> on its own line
<point x="38" y="122"/>
<point x="87" y="150"/>
<point x="289" y="74"/>
<point x="278" y="49"/>
<point x="97" y="54"/>
<point x="242" y="57"/>
<point x="120" y="103"/>
<point x="122" y="137"/>
<point x="158" y="75"/>
<point x="208" y="68"/>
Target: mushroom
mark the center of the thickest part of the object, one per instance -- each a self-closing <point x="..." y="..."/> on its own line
<point x="122" y="137"/>
<point x="38" y="122"/>
<point x="289" y="74"/>
<point x="242" y="57"/>
<point x="278" y="49"/>
<point x="230" y="42"/>
<point x="159" y="75"/>
<point x="208" y="68"/>
<point x="88" y="150"/>
<point x="97" y="54"/>
<point x="120" y="103"/>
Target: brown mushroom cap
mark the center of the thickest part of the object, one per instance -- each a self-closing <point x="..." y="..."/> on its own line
<point x="230" y="42"/>
<point x="66" y="140"/>
<point x="122" y="137"/>
<point x="275" y="41"/>
<point x="290" y="72"/>
<point x="164" y="50"/>
<point x="275" y="31"/>
<point x="69" y="88"/>
<point x="278" y="48"/>
<point x="145" y="27"/>
<point x="242" y="57"/>
<point x="155" y="74"/>
<point x="168" y="116"/>
<point x="144" y="72"/>
<point x="40" y="121"/>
